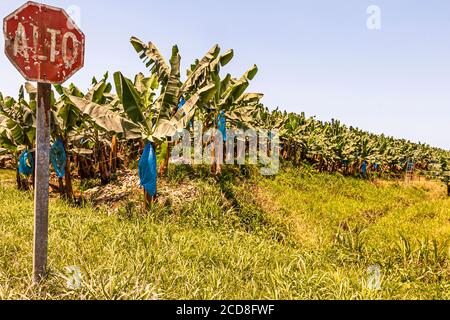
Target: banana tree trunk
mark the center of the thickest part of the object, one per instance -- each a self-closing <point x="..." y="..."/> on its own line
<point x="220" y="161"/>
<point x="213" y="160"/>
<point x="77" y="164"/>
<point x="66" y="188"/>
<point x="131" y="151"/>
<point x="92" y="167"/>
<point x="285" y="154"/>
<point x="113" y="155"/>
<point x="61" y="186"/>
<point x="219" y="169"/>
<point x="288" y="151"/>
<point x="86" y="169"/>
<point x="165" y="163"/>
<point x="103" y="166"/>
<point x="20" y="185"/>
<point x="81" y="168"/>
<point x="149" y="201"/>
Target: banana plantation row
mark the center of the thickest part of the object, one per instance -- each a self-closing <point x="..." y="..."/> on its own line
<point x="98" y="132"/>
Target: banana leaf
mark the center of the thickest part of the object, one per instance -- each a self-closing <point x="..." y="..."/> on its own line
<point x="153" y="58"/>
<point x="107" y="119"/>
<point x="130" y="99"/>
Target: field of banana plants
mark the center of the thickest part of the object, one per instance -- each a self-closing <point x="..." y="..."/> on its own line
<point x="121" y="121"/>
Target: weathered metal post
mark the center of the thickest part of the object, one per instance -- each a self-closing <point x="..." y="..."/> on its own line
<point x="41" y="183"/>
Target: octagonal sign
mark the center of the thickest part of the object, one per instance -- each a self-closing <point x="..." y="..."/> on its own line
<point x="43" y="43"/>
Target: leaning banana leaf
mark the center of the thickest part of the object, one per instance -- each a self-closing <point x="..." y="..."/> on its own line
<point x="171" y="95"/>
<point x="147" y="89"/>
<point x="31" y="90"/>
<point x="226" y="58"/>
<point x="67" y="116"/>
<point x="17" y="131"/>
<point x="97" y="92"/>
<point x="6" y="140"/>
<point x="199" y="75"/>
<point x="251" y="73"/>
<point x="130" y="99"/>
<point x="168" y="128"/>
<point x="107" y="119"/>
<point x="250" y="98"/>
<point x="150" y="55"/>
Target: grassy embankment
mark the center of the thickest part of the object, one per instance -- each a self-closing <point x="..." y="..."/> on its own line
<point x="301" y="235"/>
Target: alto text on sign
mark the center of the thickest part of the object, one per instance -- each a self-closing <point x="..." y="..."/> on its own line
<point x="43" y="43"/>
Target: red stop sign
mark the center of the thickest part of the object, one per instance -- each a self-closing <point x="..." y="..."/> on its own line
<point x="43" y="43"/>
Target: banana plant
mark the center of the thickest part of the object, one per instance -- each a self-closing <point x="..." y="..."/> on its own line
<point x="173" y="91"/>
<point x="331" y="146"/>
<point x="154" y="118"/>
<point x="17" y="129"/>
<point x="137" y="112"/>
<point x="230" y="102"/>
<point x="95" y="120"/>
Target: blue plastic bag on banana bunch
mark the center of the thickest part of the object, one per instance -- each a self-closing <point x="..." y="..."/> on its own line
<point x="147" y="169"/>
<point x="222" y="125"/>
<point x="26" y="163"/>
<point x="58" y="158"/>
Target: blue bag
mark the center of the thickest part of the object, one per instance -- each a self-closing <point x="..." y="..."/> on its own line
<point x="364" y="168"/>
<point x="58" y="158"/>
<point x="182" y="103"/>
<point x="26" y="163"/>
<point x="147" y="169"/>
<point x="222" y="125"/>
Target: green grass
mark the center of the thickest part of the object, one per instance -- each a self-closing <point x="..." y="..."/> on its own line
<point x="301" y="235"/>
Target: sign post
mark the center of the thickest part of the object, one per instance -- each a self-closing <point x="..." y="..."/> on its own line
<point x="45" y="46"/>
<point x="41" y="182"/>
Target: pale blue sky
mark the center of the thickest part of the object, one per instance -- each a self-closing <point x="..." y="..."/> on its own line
<point x="314" y="56"/>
